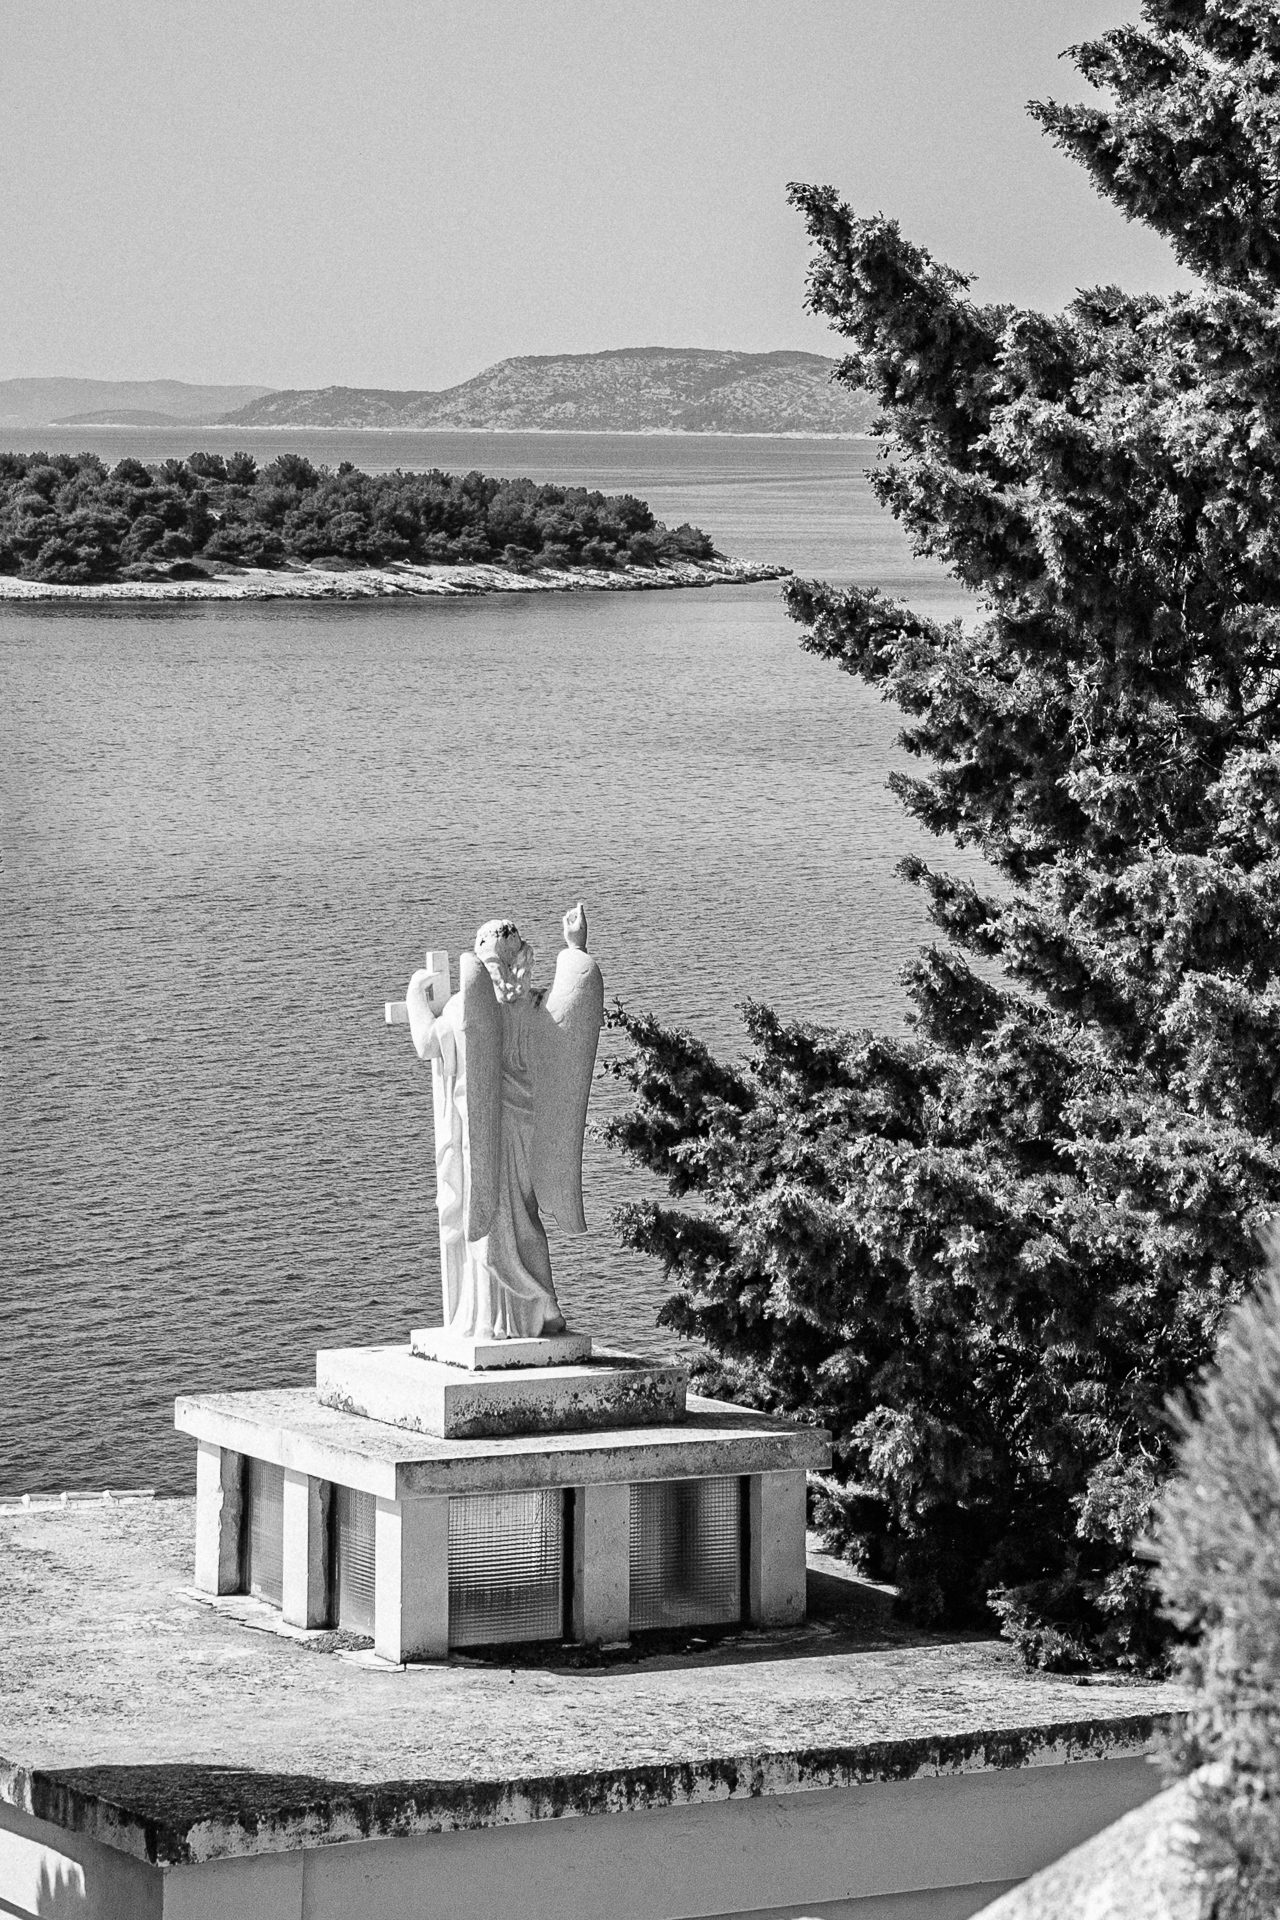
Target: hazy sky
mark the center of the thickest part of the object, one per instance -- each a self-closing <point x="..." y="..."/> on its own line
<point x="399" y="192"/>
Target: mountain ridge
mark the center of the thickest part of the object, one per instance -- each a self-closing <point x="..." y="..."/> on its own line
<point x="619" y="390"/>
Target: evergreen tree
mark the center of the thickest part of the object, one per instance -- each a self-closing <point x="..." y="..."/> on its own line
<point x="985" y="1251"/>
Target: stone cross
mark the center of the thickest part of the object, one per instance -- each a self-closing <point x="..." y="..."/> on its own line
<point x="437" y="964"/>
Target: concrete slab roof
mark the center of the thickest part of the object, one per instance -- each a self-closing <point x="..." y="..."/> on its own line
<point x="134" y="1713"/>
<point x="290" y="1427"/>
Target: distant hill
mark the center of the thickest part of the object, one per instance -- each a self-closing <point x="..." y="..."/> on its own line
<point x="333" y="407"/>
<point x="124" y="417"/>
<point x="628" y="390"/>
<point x="45" y="403"/>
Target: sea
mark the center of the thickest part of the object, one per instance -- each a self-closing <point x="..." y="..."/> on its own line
<point x="230" y="831"/>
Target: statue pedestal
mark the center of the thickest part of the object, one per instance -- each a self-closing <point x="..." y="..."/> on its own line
<point x="431" y="1505"/>
<point x="426" y="1545"/>
<point x="400" y="1386"/>
<point x="486" y="1356"/>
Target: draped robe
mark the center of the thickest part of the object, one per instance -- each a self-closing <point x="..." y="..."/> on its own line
<point x="511" y="1080"/>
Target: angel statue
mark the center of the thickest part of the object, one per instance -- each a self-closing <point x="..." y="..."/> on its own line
<point x="512" y="1067"/>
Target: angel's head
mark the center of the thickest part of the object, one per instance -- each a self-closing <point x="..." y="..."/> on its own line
<point x="507" y="958"/>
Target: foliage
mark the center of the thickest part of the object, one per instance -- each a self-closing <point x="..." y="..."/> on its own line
<point x="64" y="517"/>
<point x="986" y="1250"/>
<point x="1218" y="1539"/>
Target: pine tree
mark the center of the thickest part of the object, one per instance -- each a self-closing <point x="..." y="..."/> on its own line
<point x="985" y="1251"/>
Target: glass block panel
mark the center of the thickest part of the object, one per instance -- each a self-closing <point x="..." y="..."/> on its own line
<point x="264" y="1534"/>
<point x="353" y="1528"/>
<point x="506" y="1567"/>
<point x="686" y="1553"/>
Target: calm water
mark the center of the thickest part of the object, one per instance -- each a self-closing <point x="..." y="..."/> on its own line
<point x="229" y="832"/>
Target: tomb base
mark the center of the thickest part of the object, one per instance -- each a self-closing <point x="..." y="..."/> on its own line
<point x="425" y="1545"/>
<point x="399" y="1386"/>
<point x="484" y="1356"/>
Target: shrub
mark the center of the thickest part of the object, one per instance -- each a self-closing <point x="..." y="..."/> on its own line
<point x="246" y="543"/>
<point x="84" y="548"/>
<point x="131" y="473"/>
<point x="208" y="466"/>
<point x="146" y="532"/>
<point x="644" y="550"/>
<point x="1217" y="1536"/>
<point x="291" y="470"/>
<point x="689" y="543"/>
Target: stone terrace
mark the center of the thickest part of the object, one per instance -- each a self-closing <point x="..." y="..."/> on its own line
<point x="137" y="1714"/>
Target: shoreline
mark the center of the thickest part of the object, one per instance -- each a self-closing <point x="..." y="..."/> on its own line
<point x="399" y="581"/>
<point x="579" y="433"/>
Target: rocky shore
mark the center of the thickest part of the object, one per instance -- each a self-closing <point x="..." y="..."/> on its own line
<point x="400" y="581"/>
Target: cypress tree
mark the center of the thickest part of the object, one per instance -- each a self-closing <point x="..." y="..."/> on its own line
<point x="987" y="1249"/>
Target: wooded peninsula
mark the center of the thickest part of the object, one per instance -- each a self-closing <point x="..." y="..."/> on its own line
<point x="69" y="520"/>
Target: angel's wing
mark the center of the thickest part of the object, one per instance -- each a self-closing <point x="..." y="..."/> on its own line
<point x="480" y="1093"/>
<point x="569" y="1024"/>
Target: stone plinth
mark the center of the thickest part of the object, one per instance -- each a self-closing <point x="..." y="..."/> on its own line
<point x="586" y="1486"/>
<point x="291" y="1427"/>
<point x="483" y="1356"/>
<point x="401" y="1388"/>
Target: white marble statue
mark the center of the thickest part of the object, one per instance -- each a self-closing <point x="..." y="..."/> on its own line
<point x="512" y="1067"/>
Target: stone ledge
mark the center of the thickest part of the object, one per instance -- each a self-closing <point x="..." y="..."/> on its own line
<point x="186" y="1815"/>
<point x="290" y="1427"/>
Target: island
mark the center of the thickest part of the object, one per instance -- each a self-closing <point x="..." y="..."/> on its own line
<point x="218" y="526"/>
<point x="623" y="390"/>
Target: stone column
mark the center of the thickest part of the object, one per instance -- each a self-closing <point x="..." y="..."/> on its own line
<point x="305" y="1564"/>
<point x="776" y="1549"/>
<point x="411" y="1578"/>
<point x="219" y="1513"/>
<point x="602" y="1562"/>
